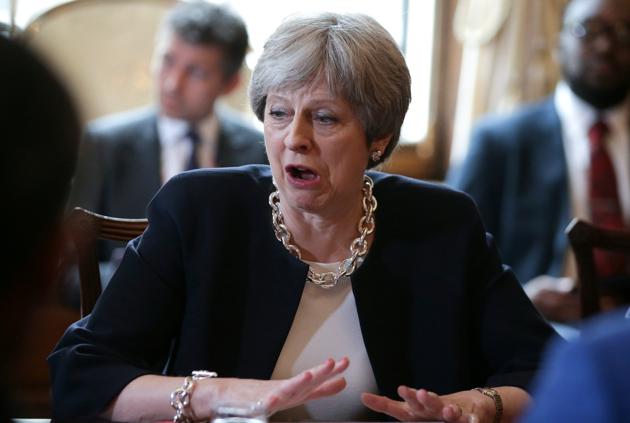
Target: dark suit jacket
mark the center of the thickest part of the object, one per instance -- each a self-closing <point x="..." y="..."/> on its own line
<point x="516" y="172"/>
<point x="119" y="166"/>
<point x="587" y="380"/>
<point x="208" y="286"/>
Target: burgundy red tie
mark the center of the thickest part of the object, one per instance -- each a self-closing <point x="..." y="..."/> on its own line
<point x="604" y="199"/>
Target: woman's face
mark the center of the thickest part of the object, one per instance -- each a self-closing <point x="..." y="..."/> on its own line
<point x="317" y="149"/>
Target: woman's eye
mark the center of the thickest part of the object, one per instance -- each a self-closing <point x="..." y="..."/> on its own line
<point x="277" y="114"/>
<point x="325" y="118"/>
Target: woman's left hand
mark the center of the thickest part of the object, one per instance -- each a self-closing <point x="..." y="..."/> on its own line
<point x="422" y="405"/>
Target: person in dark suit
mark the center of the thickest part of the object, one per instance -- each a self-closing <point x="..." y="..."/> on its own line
<point x="261" y="273"/>
<point x="126" y="158"/>
<point x="40" y="133"/>
<point x="586" y="380"/>
<point x="528" y="172"/>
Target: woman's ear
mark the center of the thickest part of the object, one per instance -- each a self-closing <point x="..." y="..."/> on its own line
<point x="380" y="144"/>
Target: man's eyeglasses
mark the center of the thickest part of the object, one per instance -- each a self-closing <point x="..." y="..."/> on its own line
<point x="591" y="30"/>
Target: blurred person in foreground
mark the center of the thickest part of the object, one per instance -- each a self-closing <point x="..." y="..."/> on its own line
<point x="40" y="133"/>
<point x="261" y="273"/>
<point x="568" y="156"/>
<point x="586" y="380"/>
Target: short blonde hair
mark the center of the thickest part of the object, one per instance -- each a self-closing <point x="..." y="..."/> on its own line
<point x="355" y="56"/>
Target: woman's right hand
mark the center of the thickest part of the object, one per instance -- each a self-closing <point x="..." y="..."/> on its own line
<point x="274" y="395"/>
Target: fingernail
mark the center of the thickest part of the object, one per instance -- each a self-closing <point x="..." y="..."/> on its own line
<point x="433" y="394"/>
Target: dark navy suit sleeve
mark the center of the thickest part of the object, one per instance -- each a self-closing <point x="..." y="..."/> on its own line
<point x="572" y="389"/>
<point x="586" y="380"/>
<point x="130" y="331"/>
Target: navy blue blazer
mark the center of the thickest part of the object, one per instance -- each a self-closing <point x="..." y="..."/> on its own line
<point x="208" y="286"/>
<point x="587" y="380"/>
<point x="516" y="173"/>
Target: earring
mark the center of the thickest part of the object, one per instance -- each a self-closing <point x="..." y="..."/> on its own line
<point x="376" y="156"/>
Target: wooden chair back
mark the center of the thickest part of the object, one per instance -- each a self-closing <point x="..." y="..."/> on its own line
<point x="584" y="238"/>
<point x="86" y="228"/>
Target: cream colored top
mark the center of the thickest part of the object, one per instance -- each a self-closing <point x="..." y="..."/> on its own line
<point x="326" y="325"/>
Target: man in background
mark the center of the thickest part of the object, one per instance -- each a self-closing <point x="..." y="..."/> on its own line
<point x="40" y="134"/>
<point x="530" y="172"/>
<point x="126" y="158"/>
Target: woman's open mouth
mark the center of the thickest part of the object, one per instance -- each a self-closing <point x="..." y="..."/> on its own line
<point x="301" y="175"/>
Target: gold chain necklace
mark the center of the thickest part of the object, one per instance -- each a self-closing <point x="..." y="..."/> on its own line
<point x="358" y="247"/>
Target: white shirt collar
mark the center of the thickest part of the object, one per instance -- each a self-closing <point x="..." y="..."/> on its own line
<point x="176" y="147"/>
<point x="171" y="130"/>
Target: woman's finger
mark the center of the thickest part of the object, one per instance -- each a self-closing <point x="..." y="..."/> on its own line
<point x="289" y="388"/>
<point x="323" y="371"/>
<point x="299" y="388"/>
<point x="384" y="405"/>
<point x="341" y="365"/>
<point x="431" y="401"/>
<point x="409" y="395"/>
<point x="328" y="388"/>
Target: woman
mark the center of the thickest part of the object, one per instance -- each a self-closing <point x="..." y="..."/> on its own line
<point x="261" y="273"/>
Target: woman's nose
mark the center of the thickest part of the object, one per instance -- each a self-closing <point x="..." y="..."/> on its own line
<point x="300" y="135"/>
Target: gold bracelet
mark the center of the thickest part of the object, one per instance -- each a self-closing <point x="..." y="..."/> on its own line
<point x="498" y="402"/>
<point x="180" y="398"/>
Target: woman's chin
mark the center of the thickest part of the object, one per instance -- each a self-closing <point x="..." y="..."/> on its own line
<point x="304" y="200"/>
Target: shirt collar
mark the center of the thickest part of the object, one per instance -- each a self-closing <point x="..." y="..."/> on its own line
<point x="172" y="130"/>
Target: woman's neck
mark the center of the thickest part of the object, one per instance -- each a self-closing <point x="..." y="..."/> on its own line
<point x="321" y="238"/>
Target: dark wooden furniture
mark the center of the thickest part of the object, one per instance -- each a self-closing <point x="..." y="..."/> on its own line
<point x="584" y="238"/>
<point x="86" y="228"/>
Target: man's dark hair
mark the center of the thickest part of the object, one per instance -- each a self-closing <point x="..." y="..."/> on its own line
<point x="40" y="134"/>
<point x="199" y="22"/>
